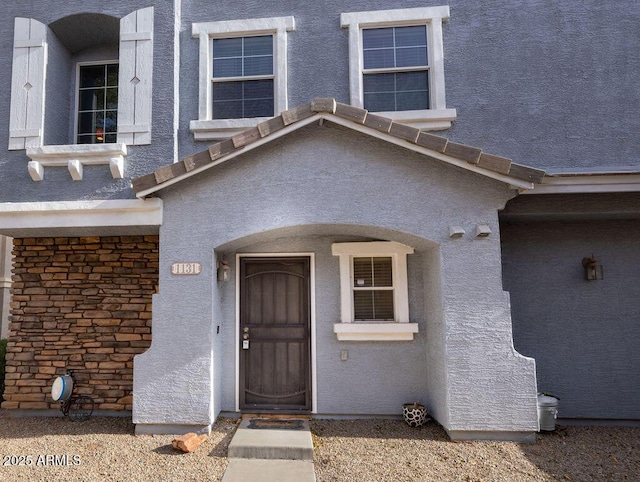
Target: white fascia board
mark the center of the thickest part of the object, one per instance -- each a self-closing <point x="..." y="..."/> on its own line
<point x="80" y="214"/>
<point x="588" y="183"/>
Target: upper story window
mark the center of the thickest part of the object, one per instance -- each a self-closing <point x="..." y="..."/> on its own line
<point x="396" y="65"/>
<point x="97" y="103"/>
<point x="395" y="69"/>
<point x="45" y="60"/>
<point x="95" y="106"/>
<point x="243" y="77"/>
<point x="242" y="74"/>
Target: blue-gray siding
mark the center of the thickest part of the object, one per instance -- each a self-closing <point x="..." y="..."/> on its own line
<point x="583" y="334"/>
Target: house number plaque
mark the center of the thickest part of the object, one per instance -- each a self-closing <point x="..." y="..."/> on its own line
<point x="186" y="268"/>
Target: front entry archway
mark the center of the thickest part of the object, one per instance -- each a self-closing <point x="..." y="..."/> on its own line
<point x="275" y="334"/>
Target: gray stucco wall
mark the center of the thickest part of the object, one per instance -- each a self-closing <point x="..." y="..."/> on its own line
<point x="583" y="334"/>
<point x="297" y="194"/>
<point x="523" y="76"/>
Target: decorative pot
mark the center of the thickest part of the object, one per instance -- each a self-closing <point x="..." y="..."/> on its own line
<point x="415" y="414"/>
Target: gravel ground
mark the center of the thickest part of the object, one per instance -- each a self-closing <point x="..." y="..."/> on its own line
<point x="390" y="450"/>
<point x="105" y="449"/>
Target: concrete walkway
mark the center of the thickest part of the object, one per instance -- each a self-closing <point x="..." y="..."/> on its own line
<point x="271" y="449"/>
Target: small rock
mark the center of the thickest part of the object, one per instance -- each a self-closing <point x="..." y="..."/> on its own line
<point x="188" y="442"/>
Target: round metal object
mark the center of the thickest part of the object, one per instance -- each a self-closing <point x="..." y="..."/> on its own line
<point x="62" y="388"/>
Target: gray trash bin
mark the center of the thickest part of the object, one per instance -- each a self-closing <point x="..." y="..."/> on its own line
<point x="547" y="412"/>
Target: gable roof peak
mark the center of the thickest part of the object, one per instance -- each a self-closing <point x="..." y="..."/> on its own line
<point x="438" y="147"/>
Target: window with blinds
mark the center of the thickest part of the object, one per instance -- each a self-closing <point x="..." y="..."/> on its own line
<point x="373" y="289"/>
<point x="395" y="70"/>
<point x="243" y="77"/>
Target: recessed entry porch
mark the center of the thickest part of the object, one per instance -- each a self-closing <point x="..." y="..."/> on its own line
<point x="290" y="277"/>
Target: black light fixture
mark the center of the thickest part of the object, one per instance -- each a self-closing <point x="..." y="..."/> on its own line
<point x="592" y="270"/>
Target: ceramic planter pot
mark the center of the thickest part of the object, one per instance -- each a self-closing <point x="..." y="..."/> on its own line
<point x="415" y="414"/>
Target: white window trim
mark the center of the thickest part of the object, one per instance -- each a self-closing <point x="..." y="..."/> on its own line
<point x="207" y="128"/>
<point x="401" y="328"/>
<point x="74" y="157"/>
<point x="438" y="116"/>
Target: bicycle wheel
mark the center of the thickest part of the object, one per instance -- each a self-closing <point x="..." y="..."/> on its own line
<point x="80" y="408"/>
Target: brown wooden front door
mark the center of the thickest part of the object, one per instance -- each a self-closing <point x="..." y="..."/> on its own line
<point x="275" y="342"/>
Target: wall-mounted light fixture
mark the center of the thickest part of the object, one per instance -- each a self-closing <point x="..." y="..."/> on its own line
<point x="482" y="231"/>
<point x="592" y="270"/>
<point x="224" y="270"/>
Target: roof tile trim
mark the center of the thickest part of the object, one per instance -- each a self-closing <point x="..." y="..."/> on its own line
<point x="469" y="154"/>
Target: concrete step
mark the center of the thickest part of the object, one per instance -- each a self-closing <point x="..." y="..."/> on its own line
<point x="253" y="470"/>
<point x="258" y="438"/>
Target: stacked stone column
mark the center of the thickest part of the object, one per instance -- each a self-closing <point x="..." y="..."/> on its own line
<point x="82" y="304"/>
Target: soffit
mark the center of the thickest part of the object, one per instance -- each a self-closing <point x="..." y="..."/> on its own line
<point x="572" y="207"/>
<point x="86" y="30"/>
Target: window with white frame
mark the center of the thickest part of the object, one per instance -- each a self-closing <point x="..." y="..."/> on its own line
<point x="396" y="64"/>
<point x="134" y="34"/>
<point x="374" y="299"/>
<point x="242" y="74"/>
<point x="395" y="73"/>
<point x="242" y="77"/>
<point x="113" y="101"/>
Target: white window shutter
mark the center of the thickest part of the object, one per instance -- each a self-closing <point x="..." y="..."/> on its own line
<point x="27" y="84"/>
<point x="135" y="77"/>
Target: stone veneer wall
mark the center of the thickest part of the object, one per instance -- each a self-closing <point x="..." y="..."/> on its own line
<point x="82" y="304"/>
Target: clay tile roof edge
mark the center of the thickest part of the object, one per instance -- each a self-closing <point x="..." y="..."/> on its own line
<point x="359" y="119"/>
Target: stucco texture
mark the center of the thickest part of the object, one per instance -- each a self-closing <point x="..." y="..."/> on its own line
<point x="300" y="193"/>
<point x="548" y="84"/>
<point x="583" y="334"/>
